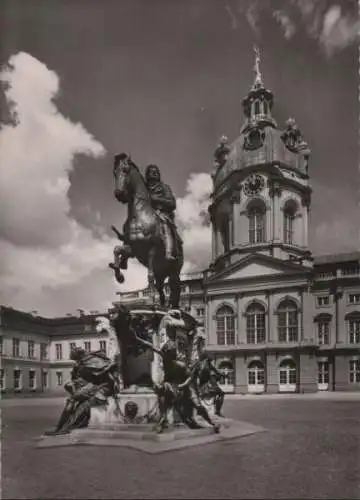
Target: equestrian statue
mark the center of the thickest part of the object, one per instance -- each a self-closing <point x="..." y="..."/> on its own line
<point x="149" y="233"/>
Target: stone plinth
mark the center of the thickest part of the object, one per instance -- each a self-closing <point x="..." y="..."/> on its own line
<point x="144" y="438"/>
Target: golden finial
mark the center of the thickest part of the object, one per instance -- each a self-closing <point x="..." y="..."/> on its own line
<point x="258" y="76"/>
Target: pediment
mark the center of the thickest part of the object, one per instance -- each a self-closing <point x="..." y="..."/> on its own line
<point x="257" y="266"/>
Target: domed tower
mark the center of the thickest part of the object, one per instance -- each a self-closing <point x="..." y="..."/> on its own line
<point x="261" y="196"/>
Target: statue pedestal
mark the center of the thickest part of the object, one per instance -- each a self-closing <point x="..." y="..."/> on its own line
<point x="135" y="406"/>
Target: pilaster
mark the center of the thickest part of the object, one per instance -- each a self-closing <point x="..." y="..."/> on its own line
<point x="241" y="326"/>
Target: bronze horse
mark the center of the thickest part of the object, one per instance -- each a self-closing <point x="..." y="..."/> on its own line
<point x="142" y="236"/>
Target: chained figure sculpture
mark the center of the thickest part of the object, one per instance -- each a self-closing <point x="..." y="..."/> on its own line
<point x="94" y="379"/>
<point x="178" y="388"/>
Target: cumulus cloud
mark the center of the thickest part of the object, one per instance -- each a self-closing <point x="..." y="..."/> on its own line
<point x="50" y="262"/>
<point x="285" y="22"/>
<point x="45" y="252"/>
<point x="338" y="31"/>
<point x="333" y="29"/>
<point x="193" y="221"/>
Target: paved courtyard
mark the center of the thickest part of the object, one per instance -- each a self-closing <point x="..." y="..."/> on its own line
<point x="311" y="449"/>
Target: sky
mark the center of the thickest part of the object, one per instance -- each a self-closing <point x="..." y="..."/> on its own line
<point x="83" y="80"/>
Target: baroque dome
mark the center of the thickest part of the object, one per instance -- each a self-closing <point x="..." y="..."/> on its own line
<point x="261" y="142"/>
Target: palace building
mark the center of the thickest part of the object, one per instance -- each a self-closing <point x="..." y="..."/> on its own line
<point x="277" y="319"/>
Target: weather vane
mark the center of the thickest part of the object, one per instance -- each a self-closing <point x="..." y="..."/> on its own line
<point x="258" y="78"/>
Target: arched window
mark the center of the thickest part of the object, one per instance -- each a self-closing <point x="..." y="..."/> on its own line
<point x="289" y="223"/>
<point x="255" y="324"/>
<point x="288" y="321"/>
<point x="256" y="376"/>
<point x="265" y="106"/>
<point x="257" y="107"/>
<point x="287" y="375"/>
<point x="257" y="224"/>
<point x="225" y="326"/>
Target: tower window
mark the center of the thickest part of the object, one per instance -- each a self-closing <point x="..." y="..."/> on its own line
<point x="289" y="227"/>
<point x="257" y="221"/>
<point x="289" y="222"/>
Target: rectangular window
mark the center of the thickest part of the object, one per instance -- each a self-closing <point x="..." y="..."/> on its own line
<point x="31" y="349"/>
<point x="323" y="300"/>
<point x="354" y="298"/>
<point x="59" y="378"/>
<point x="17" y="379"/>
<point x="200" y="312"/>
<point x="255" y="328"/>
<point x="354" y="366"/>
<point x="43" y="351"/>
<point x="16" y="348"/>
<point x="354" y="331"/>
<point x="102" y="344"/>
<point x="2" y="379"/>
<point x="256" y="226"/>
<point x="323" y="332"/>
<point x="350" y="271"/>
<point x="32" y="379"/>
<point x="288" y="228"/>
<point x="1" y="346"/>
<point x="87" y="346"/>
<point x="288" y="326"/>
<point x="72" y="347"/>
<point x="58" y="352"/>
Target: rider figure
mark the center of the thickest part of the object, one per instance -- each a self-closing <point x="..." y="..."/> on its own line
<point x="164" y="203"/>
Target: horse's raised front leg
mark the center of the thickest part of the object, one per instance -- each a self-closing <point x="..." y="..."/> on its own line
<point x="121" y="256"/>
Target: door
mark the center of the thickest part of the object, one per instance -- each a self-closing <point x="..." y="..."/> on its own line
<point x="323" y="375"/>
<point x="287" y="376"/>
<point x="227" y="381"/>
<point x="256" y="378"/>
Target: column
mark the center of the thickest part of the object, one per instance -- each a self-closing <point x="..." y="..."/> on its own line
<point x="275" y="194"/>
<point x="305" y="202"/>
<point x="241" y="330"/>
<point x="268" y="316"/>
<point x="272" y="318"/>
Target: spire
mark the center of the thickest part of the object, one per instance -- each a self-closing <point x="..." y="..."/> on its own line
<point x="258" y="76"/>
<point x="259" y="101"/>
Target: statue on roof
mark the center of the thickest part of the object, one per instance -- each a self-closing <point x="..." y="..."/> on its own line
<point x="221" y="152"/>
<point x="258" y="75"/>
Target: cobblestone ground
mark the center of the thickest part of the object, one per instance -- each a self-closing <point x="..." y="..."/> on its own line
<point x="311" y="450"/>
